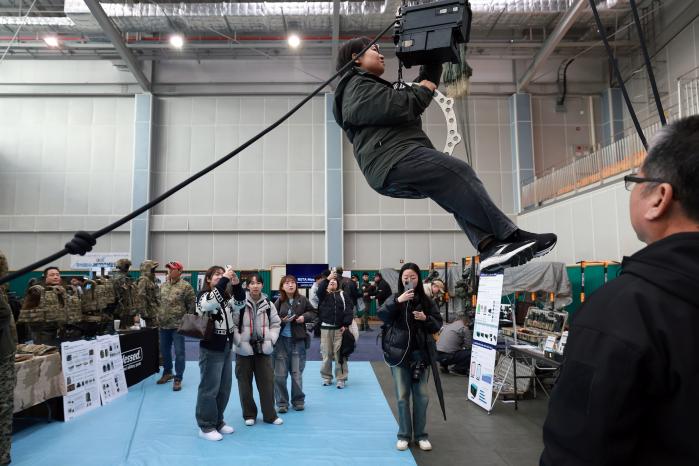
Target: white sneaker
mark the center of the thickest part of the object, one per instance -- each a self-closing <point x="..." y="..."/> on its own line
<point x="226" y="430"/>
<point x="278" y="421"/>
<point x="249" y="422"/>
<point x="340" y="384"/>
<point x="402" y="445"/>
<point x="424" y="445"/>
<point x="213" y="435"/>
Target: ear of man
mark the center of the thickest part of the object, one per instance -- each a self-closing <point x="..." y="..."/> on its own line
<point x="660" y="202"/>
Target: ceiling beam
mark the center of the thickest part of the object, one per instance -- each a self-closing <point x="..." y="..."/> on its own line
<point x="473" y="46"/>
<point x="553" y="40"/>
<point x="115" y="37"/>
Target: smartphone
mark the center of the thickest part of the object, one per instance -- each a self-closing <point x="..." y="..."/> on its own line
<point x="408" y="286"/>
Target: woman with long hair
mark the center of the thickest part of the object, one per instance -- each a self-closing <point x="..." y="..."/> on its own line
<point x="290" y="351"/>
<point x="256" y="332"/>
<point x="216" y="355"/>
<point x="410" y="318"/>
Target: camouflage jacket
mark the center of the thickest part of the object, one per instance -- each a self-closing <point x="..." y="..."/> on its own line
<point x="148" y="295"/>
<point x="125" y="294"/>
<point x="176" y="300"/>
<point x="8" y="332"/>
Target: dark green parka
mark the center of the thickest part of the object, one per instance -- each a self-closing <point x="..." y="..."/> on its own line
<point x="382" y="123"/>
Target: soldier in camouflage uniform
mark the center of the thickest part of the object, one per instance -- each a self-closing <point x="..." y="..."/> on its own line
<point x="8" y="345"/>
<point x="148" y="302"/>
<point x="124" y="292"/>
<point x="177" y="298"/>
<point x="48" y="299"/>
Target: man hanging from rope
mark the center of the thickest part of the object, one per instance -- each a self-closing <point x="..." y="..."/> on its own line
<point x="398" y="159"/>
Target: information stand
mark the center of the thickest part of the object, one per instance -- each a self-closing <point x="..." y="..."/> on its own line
<point x="94" y="374"/>
<point x="110" y="369"/>
<point x="485" y="338"/>
<point x="79" y="361"/>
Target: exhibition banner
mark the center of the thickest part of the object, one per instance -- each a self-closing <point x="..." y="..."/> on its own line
<point x="97" y="260"/>
<point x="485" y="338"/>
<point x="79" y="360"/>
<point x="139" y="351"/>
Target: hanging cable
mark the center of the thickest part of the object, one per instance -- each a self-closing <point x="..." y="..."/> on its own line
<point x="83" y="241"/>
<point x="563" y="81"/>
<point x="615" y="65"/>
<point x="649" y="67"/>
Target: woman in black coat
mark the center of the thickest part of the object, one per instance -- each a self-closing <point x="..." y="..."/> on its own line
<point x="410" y="318"/>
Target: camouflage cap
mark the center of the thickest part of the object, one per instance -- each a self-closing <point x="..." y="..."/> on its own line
<point x="123" y="264"/>
<point x="148" y="265"/>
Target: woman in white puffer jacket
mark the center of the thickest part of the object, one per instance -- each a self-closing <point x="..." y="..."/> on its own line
<point x="256" y="330"/>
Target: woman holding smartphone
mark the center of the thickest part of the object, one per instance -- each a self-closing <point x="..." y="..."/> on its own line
<point x="410" y="318"/>
<point x="290" y="351"/>
<point x="215" y="355"/>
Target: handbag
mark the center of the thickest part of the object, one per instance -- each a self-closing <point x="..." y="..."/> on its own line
<point x="196" y="326"/>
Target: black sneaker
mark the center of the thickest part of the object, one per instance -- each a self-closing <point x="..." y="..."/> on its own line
<point x="500" y="256"/>
<point x="545" y="242"/>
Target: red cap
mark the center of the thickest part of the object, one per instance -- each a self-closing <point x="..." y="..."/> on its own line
<point x="174" y="265"/>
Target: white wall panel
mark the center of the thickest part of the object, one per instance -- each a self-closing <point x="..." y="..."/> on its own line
<point x="68" y="163"/>
<point x="258" y="203"/>
<point x="590" y="226"/>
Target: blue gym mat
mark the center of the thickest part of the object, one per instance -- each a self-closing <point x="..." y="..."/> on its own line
<point x="153" y="425"/>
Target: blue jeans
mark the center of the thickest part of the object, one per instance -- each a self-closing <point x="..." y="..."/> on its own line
<point x="216" y="369"/>
<point x="167" y="338"/>
<point x="409" y="426"/>
<point x="289" y="356"/>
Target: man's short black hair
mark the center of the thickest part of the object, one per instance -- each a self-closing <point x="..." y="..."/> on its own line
<point x="48" y="269"/>
<point x="355" y="45"/>
<point x="674" y="157"/>
<point x="378" y="274"/>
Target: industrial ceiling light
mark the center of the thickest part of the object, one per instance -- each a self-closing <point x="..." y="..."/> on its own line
<point x="51" y="41"/>
<point x="177" y="41"/>
<point x="294" y="40"/>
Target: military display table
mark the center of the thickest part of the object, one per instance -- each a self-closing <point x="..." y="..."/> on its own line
<point x="38" y="379"/>
<point x="139" y="351"/>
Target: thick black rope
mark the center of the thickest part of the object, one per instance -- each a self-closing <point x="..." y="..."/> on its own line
<point x="615" y="65"/>
<point x="649" y="67"/>
<point x="83" y="241"/>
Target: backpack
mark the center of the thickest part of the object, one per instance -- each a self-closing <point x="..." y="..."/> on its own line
<point x="90" y="303"/>
<point x="348" y="345"/>
<point x="50" y="308"/>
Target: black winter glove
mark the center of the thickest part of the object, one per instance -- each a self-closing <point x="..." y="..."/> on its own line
<point x="431" y="72"/>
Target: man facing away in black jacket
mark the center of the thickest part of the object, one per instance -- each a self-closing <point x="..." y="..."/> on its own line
<point x="627" y="391"/>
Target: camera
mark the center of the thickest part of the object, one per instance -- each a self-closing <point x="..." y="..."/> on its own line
<point x="418" y="368"/>
<point x="430" y="32"/>
<point x="257" y="346"/>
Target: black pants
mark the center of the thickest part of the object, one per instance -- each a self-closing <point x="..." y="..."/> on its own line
<point x="451" y="183"/>
<point x="460" y="360"/>
<point x="259" y="366"/>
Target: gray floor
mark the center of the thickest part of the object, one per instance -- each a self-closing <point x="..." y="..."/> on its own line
<point x="471" y="436"/>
